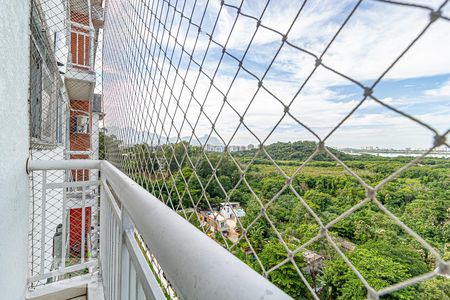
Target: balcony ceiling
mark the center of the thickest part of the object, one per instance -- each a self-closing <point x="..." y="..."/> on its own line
<point x="79" y="88"/>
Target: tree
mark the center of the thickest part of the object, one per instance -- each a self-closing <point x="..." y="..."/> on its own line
<point x="434" y="289"/>
<point x="176" y="155"/>
<point x="286" y="276"/>
<point x="317" y="200"/>
<point x="378" y="269"/>
<point x="101" y="145"/>
<point x="430" y="218"/>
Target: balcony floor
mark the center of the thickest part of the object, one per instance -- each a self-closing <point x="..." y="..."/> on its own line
<point x="77" y="288"/>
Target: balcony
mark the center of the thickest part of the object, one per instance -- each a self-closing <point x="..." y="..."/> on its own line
<point x="185" y="89"/>
<point x="131" y="247"/>
<point x="98" y="15"/>
<point x="80" y="76"/>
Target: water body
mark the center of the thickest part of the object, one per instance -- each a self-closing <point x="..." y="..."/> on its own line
<point x="396" y="154"/>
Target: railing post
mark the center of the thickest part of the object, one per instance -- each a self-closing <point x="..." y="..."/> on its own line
<point x="124" y="257"/>
<point x="102" y="254"/>
<point x="63" y="232"/>
<point x="43" y="220"/>
<point x="83" y="223"/>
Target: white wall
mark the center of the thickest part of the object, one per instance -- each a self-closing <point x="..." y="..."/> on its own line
<point x="14" y="142"/>
<point x="56" y="18"/>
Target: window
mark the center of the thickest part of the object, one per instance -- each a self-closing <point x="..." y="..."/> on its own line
<point x="44" y="119"/>
<point x="35" y="92"/>
<point x="60" y="124"/>
<point x="80" y="47"/>
<point x="45" y="96"/>
<point x="48" y="106"/>
<point x="61" y="50"/>
<point x="82" y="124"/>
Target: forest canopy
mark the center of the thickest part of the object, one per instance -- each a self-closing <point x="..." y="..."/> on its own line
<point x="189" y="179"/>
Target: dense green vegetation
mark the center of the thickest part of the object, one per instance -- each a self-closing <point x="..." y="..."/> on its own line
<point x="379" y="249"/>
<point x="299" y="150"/>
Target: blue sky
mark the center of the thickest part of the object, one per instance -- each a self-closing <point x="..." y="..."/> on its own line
<point x="419" y="84"/>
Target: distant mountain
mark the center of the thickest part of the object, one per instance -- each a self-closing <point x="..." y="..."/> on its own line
<point x="299" y="150"/>
<point x="194" y="142"/>
<point x="131" y="136"/>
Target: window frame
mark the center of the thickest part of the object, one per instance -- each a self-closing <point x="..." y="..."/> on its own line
<point x="46" y="101"/>
<point x="86" y="125"/>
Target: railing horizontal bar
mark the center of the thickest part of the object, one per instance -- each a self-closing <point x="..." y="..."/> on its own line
<point x="37" y="165"/>
<point x="79" y="152"/>
<point x="47" y="290"/>
<point x="111" y="199"/>
<point x="144" y="274"/>
<point x="84" y="67"/>
<point x="62" y="271"/>
<point x="59" y="185"/>
<point x="79" y="25"/>
<point x="198" y="267"/>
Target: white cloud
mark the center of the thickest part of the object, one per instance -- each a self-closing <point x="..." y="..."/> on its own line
<point x="375" y="35"/>
<point x="369" y="43"/>
<point x="442" y="91"/>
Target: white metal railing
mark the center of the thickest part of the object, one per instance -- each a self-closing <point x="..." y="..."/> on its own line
<point x="53" y="256"/>
<point x="195" y="265"/>
<point x="156" y="268"/>
<point x="125" y="271"/>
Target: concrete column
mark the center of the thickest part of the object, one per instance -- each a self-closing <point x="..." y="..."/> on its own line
<point x="14" y="143"/>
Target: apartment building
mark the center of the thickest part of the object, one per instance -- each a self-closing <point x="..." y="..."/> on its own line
<point x="65" y="114"/>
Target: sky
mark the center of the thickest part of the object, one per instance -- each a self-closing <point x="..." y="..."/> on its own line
<point x="372" y="39"/>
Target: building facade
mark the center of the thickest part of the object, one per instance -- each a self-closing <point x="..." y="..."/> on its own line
<point x="65" y="117"/>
